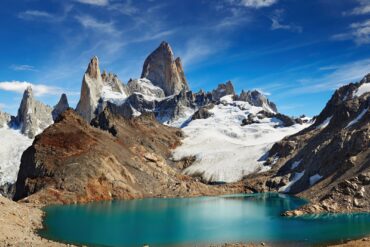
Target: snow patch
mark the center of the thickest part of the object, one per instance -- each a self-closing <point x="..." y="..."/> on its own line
<point x="297" y="176"/>
<point x="325" y="123"/>
<point x="358" y="118"/>
<point x="296" y="164"/>
<point x="13" y="144"/>
<point x="314" y="179"/>
<point x="364" y="88"/>
<point x="108" y="95"/>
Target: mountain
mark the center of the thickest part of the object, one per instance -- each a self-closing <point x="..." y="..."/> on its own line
<point x="164" y="71"/>
<point x="33" y="116"/>
<point x="60" y="107"/>
<point x="328" y="162"/>
<point x="72" y="161"/>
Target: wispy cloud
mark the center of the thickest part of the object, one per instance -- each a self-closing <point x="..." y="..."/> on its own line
<point x="38" y="89"/>
<point x="359" y="32"/>
<point x="35" y="14"/>
<point x="362" y="8"/>
<point x="277" y="19"/>
<point x="94" y="2"/>
<point x="343" y="74"/>
<point x="90" y="22"/>
<point x="254" y="3"/>
<point x="22" y="67"/>
<point x="126" y="8"/>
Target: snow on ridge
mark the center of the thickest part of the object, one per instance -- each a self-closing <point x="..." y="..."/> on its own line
<point x="226" y="151"/>
<point x="11" y="152"/>
<point x="296" y="177"/>
<point x="358" y="118"/>
<point x="325" y="123"/>
<point x="296" y="164"/>
<point x="364" y="88"/>
<point x="111" y="96"/>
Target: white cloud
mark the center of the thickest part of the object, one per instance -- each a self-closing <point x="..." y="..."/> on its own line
<point x="276" y="20"/>
<point x="90" y="22"/>
<point x="359" y="32"/>
<point x="255" y="3"/>
<point x="362" y="9"/>
<point x="125" y="8"/>
<point x="94" y="2"/>
<point x="22" y="67"/>
<point x="38" y="89"/>
<point x="33" y="14"/>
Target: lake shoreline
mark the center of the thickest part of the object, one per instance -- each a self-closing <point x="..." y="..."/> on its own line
<point x="13" y="215"/>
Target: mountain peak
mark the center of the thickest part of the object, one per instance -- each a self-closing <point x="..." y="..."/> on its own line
<point x="161" y="68"/>
<point x="93" y="69"/>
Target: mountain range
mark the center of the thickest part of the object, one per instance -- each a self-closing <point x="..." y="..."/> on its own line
<point x="154" y="137"/>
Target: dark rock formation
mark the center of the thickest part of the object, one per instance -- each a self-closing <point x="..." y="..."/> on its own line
<point x="164" y="71"/>
<point x="222" y="90"/>
<point x="61" y="107"/>
<point x="203" y="112"/>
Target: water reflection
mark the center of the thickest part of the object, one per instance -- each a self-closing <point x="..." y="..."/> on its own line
<point x="233" y="218"/>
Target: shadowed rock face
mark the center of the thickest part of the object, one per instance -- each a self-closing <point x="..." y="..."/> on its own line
<point x="92" y="85"/>
<point x="33" y="116"/>
<point x="164" y="71"/>
<point x="72" y="161"/>
<point x="329" y="162"/>
<point x="61" y="107"/>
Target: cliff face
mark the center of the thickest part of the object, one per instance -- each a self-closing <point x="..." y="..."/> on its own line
<point x="164" y="71"/>
<point x="122" y="159"/>
<point x="329" y="162"/>
<point x="60" y="107"/>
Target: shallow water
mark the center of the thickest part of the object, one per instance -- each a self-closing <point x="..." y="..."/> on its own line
<point x="204" y="220"/>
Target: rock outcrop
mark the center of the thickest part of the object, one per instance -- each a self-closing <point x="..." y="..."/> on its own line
<point x="92" y="86"/>
<point x="122" y="159"/>
<point x="222" y="90"/>
<point x="33" y="116"/>
<point x="114" y="83"/>
<point x="256" y="98"/>
<point x="164" y="71"/>
<point x="60" y="107"/>
<point x="5" y="119"/>
<point x="329" y="162"/>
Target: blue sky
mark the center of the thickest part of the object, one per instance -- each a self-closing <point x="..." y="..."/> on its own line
<point x="296" y="51"/>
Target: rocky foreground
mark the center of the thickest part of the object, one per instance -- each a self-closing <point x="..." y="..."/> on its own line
<point x="74" y="162"/>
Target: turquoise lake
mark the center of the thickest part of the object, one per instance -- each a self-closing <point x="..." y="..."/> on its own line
<point x="205" y="220"/>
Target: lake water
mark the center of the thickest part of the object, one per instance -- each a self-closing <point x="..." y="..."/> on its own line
<point x="205" y="220"/>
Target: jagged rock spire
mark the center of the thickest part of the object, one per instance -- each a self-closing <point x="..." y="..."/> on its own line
<point x="164" y="71"/>
<point x="33" y="116"/>
<point x="61" y="107"/>
<point x="92" y="85"/>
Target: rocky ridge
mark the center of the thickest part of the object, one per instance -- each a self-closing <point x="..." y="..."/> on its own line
<point x="327" y="162"/>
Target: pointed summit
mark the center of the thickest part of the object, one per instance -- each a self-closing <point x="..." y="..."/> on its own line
<point x="61" y="107"/>
<point x="93" y="69"/>
<point x="33" y="116"/>
<point x="164" y="71"/>
<point x="92" y="85"/>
